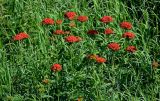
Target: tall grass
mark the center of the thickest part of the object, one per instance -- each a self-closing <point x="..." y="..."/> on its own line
<point x="24" y="64"/>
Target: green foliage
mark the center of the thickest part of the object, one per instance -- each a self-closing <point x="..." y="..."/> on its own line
<point x="25" y="64"/>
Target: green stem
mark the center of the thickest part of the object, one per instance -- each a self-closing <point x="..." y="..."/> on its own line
<point x="57" y="77"/>
<point x="113" y="57"/>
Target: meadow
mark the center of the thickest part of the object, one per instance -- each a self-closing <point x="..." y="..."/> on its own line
<point x="79" y="50"/>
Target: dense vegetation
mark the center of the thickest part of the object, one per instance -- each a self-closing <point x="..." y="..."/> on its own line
<point x="25" y="73"/>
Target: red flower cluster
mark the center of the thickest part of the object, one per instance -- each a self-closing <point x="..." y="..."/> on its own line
<point x="70" y="15"/>
<point x="108" y="31"/>
<point x="72" y="39"/>
<point x="126" y="25"/>
<point x="20" y="36"/>
<point x="92" y="32"/>
<point x="59" y="32"/>
<point x="97" y="58"/>
<point x="106" y="19"/>
<point x="114" y="46"/>
<point x="131" y="49"/>
<point x="128" y="35"/>
<point x="58" y="22"/>
<point x="56" y="67"/>
<point x="48" y="21"/>
<point x="100" y="60"/>
<point x="82" y="18"/>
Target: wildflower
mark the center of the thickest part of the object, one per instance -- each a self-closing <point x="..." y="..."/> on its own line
<point x="92" y="32"/>
<point x="45" y="81"/>
<point x="56" y="67"/>
<point x="67" y="32"/>
<point x="70" y="15"/>
<point x="155" y="64"/>
<point x="131" y="49"/>
<point x="97" y="58"/>
<point x="106" y="19"/>
<point x="72" y="24"/>
<point x="126" y="25"/>
<point x="82" y="18"/>
<point x="128" y="35"/>
<point x="58" y="32"/>
<point x="92" y="56"/>
<point x="108" y="31"/>
<point x="100" y="60"/>
<point x="48" y="21"/>
<point x="80" y="99"/>
<point x="72" y="39"/>
<point x="20" y="36"/>
<point x="114" y="46"/>
<point x="59" y="22"/>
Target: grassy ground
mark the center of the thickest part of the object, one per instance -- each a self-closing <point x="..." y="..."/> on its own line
<point x="125" y="76"/>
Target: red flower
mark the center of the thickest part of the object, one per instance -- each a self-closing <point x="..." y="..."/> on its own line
<point x="96" y="58"/>
<point x="131" y="49"/>
<point x="56" y="67"/>
<point x="100" y="60"/>
<point x="72" y="39"/>
<point x="48" y="21"/>
<point x="70" y="15"/>
<point x="82" y="18"/>
<point x="114" y="46"/>
<point x="59" y="22"/>
<point x="58" y="32"/>
<point x="92" y="32"/>
<point x="20" y="36"/>
<point x="126" y="25"/>
<point x="108" y="31"/>
<point x="128" y="35"/>
<point x="106" y="19"/>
